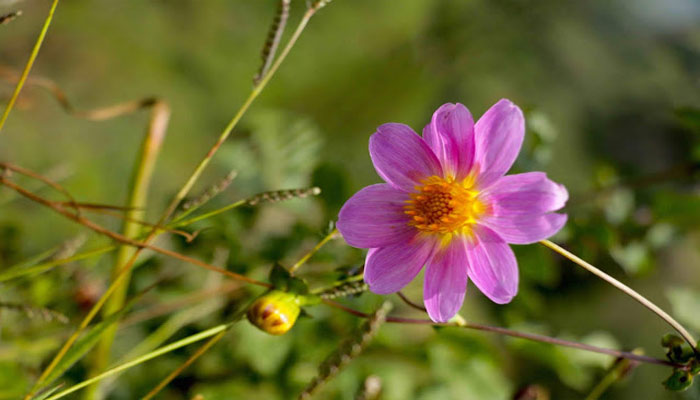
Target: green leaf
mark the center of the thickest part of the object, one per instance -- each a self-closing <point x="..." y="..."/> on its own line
<point x="685" y="303"/>
<point x="679" y="381"/>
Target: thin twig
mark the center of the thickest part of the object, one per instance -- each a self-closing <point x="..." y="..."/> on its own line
<point x="97" y="114"/>
<point x="521" y="335"/>
<point x="20" y="170"/>
<point x="125" y="240"/>
<point x="411" y="303"/>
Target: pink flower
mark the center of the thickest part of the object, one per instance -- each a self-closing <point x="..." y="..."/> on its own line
<point x="447" y="205"/>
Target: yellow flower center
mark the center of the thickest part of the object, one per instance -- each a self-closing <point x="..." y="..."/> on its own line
<point x="445" y="206"/>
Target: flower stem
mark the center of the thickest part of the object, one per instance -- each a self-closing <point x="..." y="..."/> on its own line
<point x="313" y="251"/>
<point x="28" y="66"/>
<point x="627" y="290"/>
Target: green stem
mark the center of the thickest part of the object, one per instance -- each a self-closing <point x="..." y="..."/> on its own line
<point x="28" y="66"/>
<point x="141" y="180"/>
<point x="178" y="224"/>
<point x="156" y="353"/>
<point x="625" y="289"/>
<point x="313" y="251"/>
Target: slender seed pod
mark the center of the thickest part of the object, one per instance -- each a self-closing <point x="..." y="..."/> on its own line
<point x="281" y="195"/>
<point x="273" y="39"/>
<point x="344" y="290"/>
<point x="275" y="312"/>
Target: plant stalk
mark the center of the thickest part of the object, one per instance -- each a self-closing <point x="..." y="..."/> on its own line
<point x="138" y="196"/>
<point x="626" y="290"/>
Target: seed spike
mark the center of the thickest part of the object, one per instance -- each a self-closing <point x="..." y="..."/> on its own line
<point x="274" y="37"/>
<point x="281" y="195"/>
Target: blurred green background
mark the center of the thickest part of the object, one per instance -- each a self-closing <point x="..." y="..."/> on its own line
<point x="611" y="91"/>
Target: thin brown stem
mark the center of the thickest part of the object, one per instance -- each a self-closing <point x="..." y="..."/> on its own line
<point x="410" y="302"/>
<point x="516" y="334"/>
<point x="123" y="239"/>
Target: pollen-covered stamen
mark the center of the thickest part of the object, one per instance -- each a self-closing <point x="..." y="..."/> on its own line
<point x="444" y="206"/>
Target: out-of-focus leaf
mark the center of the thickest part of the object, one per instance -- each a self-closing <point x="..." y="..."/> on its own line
<point x="12" y="380"/>
<point x="459" y="374"/>
<point x="685" y="303"/>
<point x="283" y="149"/>
<point x="633" y="257"/>
<point x="574" y="367"/>
<point x="264" y="353"/>
<point x="618" y="205"/>
<point x="679" y="209"/>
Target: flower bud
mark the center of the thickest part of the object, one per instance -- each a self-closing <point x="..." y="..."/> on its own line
<point x="275" y="312"/>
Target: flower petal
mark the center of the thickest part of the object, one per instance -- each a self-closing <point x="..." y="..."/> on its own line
<point x="451" y="136"/>
<point x="374" y="217"/>
<point x="498" y="135"/>
<point x="389" y="269"/>
<point x="446" y="281"/>
<point x="492" y="266"/>
<point x="521" y="194"/>
<point x="526" y="228"/>
<point x="401" y="157"/>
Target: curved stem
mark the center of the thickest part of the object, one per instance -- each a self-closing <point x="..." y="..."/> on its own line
<point x="627" y="290"/>
<point x="516" y="334"/>
<point x="410" y="302"/>
<point x="28" y="66"/>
